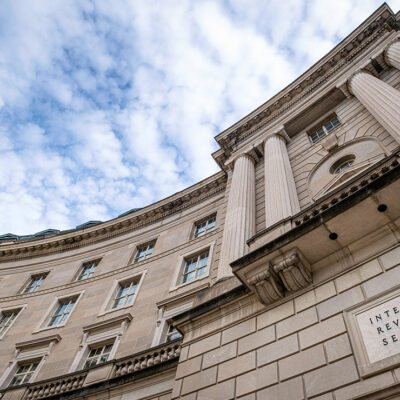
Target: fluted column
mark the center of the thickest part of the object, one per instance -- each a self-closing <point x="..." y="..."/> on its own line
<point x="280" y="190"/>
<point x="380" y="99"/>
<point x="240" y="218"/>
<point x="392" y="54"/>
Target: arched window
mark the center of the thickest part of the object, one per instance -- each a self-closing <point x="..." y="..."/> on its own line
<point x="342" y="164"/>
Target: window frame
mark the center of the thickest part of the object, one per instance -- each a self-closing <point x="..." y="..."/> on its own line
<point x="138" y="248"/>
<point x="30" y="281"/>
<point x="97" y="345"/>
<point x="194" y="260"/>
<point x="168" y="334"/>
<point x="178" y="275"/>
<point x="109" y="331"/>
<point x="83" y="266"/>
<point x="201" y="221"/>
<point x="27" y="352"/>
<point x="110" y="298"/>
<point x="322" y="124"/>
<point x="130" y="285"/>
<point x="341" y="163"/>
<point x="44" y="323"/>
<point x="10" y="309"/>
<point x="21" y="364"/>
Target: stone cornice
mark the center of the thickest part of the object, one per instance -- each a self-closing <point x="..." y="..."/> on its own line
<point x="118" y="226"/>
<point x="38" y="342"/>
<point x="127" y="317"/>
<point x="375" y="26"/>
<point x="115" y="271"/>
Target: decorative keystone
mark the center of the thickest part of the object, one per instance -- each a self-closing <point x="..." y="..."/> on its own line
<point x="266" y="284"/>
<point x="293" y="269"/>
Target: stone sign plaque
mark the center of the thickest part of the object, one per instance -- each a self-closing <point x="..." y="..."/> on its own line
<point x="380" y="330"/>
<point x="374" y="329"/>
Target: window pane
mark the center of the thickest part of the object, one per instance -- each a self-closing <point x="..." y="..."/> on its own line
<point x="6" y="320"/>
<point x="204" y="227"/>
<point x="203" y="261"/>
<point x="118" y="303"/>
<point x="329" y="126"/>
<point x="189" y="277"/>
<point x="144" y="252"/>
<point x="88" y="270"/>
<point x="108" y="348"/>
<point x="190" y="267"/>
<point x="129" y="300"/>
<point x="24" y="374"/>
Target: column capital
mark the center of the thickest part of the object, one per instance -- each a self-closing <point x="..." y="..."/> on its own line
<point x="394" y="45"/>
<point x="278" y="132"/>
<point x="349" y="80"/>
<point x="248" y="154"/>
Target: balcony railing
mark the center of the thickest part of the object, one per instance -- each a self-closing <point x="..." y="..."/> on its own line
<point x="147" y="359"/>
<point x="47" y="389"/>
<point x="70" y="382"/>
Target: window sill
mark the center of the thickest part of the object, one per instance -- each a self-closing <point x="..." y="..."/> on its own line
<point x="181" y="285"/>
<point x="47" y="328"/>
<point x="115" y="309"/>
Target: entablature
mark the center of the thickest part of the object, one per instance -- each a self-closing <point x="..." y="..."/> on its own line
<point x="311" y="86"/>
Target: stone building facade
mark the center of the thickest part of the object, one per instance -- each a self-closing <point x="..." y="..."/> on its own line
<point x="276" y="278"/>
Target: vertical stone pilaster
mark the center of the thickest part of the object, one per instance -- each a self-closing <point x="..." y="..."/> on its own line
<point x="280" y="190"/>
<point x="240" y="220"/>
<point x="380" y="99"/>
<point x="392" y="54"/>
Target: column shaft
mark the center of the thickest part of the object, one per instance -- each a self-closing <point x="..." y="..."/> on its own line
<point x="380" y="99"/>
<point x="392" y="54"/>
<point x="280" y="190"/>
<point x="240" y="218"/>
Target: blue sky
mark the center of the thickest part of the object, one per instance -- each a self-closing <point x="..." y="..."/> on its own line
<point x="110" y="105"/>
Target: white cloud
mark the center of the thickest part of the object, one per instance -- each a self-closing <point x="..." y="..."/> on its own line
<point x="107" y="106"/>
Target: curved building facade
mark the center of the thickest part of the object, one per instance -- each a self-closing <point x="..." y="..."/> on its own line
<point x="276" y="278"/>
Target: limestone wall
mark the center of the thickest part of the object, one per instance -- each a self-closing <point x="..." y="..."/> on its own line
<point x="174" y="239"/>
<point x="299" y="348"/>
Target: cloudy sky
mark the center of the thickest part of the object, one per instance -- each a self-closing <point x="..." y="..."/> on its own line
<point x="110" y="105"/>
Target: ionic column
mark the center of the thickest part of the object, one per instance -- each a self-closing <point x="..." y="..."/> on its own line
<point x="380" y="99"/>
<point x="240" y="217"/>
<point x="392" y="54"/>
<point x="280" y="190"/>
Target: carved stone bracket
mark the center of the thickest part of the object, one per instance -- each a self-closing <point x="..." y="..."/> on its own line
<point x="267" y="285"/>
<point x="293" y="269"/>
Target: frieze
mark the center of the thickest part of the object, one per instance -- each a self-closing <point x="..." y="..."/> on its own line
<point x="383" y="24"/>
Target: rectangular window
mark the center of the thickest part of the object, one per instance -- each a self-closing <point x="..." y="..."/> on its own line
<point x="87" y="270"/>
<point x="24" y="373"/>
<point x="144" y="252"/>
<point x="205" y="226"/>
<point x="62" y="312"/>
<point x="172" y="334"/>
<point x="323" y="130"/>
<point x="98" y="355"/>
<point x="34" y="284"/>
<point x="125" y="294"/>
<point x="195" y="267"/>
<point x="6" y="319"/>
